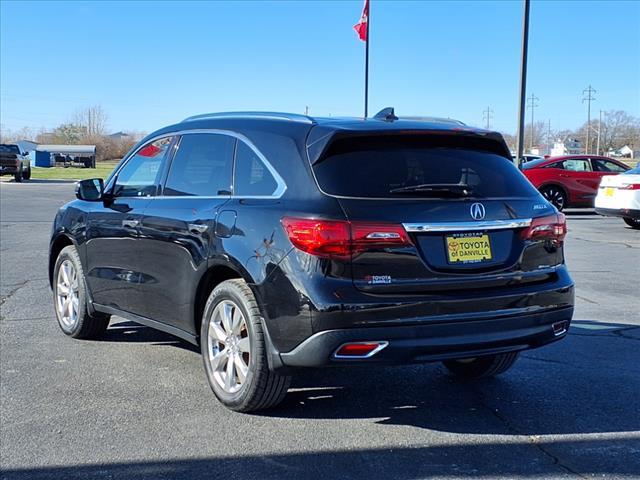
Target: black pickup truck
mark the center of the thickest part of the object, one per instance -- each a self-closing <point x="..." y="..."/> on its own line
<point x="14" y="162"/>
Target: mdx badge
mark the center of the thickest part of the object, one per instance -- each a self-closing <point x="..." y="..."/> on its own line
<point x="477" y="211"/>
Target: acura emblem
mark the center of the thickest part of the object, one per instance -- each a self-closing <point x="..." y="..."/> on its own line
<point x="477" y="211"/>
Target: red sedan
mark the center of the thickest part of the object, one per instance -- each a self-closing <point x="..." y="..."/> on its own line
<point x="571" y="181"/>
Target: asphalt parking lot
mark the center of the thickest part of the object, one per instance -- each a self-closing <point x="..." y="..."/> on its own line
<point x="137" y="405"/>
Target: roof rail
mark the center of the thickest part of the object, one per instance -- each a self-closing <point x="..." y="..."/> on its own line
<point x="295" y="117"/>
<point x="388" y="115"/>
<point x="449" y="121"/>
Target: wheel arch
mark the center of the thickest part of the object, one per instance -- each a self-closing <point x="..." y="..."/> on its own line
<point x="58" y="242"/>
<point x="214" y="276"/>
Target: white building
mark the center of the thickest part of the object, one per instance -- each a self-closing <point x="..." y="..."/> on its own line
<point x="569" y="146"/>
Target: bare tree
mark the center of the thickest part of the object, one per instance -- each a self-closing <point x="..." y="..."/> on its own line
<point x="68" y="133"/>
<point x="539" y="134"/>
<point x="617" y="129"/>
<point x="93" y="120"/>
<point x="510" y="140"/>
<point x="8" y="135"/>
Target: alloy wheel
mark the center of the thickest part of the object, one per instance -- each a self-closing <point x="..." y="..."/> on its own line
<point x="555" y="196"/>
<point x="229" y="347"/>
<point x="67" y="296"/>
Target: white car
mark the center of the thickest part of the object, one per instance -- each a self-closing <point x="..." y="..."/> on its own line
<point x="619" y="196"/>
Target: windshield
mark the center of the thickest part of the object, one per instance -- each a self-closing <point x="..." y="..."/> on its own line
<point x="390" y="167"/>
<point x="9" y="149"/>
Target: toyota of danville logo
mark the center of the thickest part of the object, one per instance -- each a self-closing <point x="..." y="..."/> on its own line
<point x="477" y="211"/>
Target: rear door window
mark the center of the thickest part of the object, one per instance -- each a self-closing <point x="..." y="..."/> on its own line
<point x="202" y="166"/>
<point x="577" y="165"/>
<point x="373" y="167"/>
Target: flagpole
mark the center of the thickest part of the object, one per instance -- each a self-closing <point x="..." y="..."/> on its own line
<point x="366" y="65"/>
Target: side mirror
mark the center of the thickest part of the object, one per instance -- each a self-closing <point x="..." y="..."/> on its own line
<point x="90" y="190"/>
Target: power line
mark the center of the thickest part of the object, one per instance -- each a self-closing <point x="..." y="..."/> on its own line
<point x="587" y="96"/>
<point x="486" y="116"/>
<point x="532" y="103"/>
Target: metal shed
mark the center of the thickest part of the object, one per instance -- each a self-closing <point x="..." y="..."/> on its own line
<point x="69" y="155"/>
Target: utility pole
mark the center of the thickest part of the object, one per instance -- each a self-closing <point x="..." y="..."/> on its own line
<point x="306" y="110"/>
<point x="532" y="103"/>
<point x="587" y="96"/>
<point x="599" y="130"/>
<point x="523" y="82"/>
<point x="486" y="115"/>
<point x="549" y="139"/>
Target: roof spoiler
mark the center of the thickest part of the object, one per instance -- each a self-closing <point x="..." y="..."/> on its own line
<point x="320" y="138"/>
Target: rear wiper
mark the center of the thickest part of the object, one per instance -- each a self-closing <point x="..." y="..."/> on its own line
<point x="455" y="189"/>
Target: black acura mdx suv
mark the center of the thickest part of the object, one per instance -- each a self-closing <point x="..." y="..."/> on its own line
<point x="279" y="242"/>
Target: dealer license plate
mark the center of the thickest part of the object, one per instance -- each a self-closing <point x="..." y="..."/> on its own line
<point x="468" y="248"/>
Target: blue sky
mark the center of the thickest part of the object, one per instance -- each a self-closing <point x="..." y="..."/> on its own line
<point x="153" y="63"/>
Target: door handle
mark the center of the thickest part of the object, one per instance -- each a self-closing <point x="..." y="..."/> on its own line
<point x="197" y="228"/>
<point x="130" y="223"/>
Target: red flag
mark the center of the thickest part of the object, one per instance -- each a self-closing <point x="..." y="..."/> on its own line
<point x="362" y="27"/>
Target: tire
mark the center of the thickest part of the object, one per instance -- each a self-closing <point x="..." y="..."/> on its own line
<point x="555" y="195"/>
<point x="26" y="175"/>
<point x="632" y="222"/>
<point x="481" y="367"/>
<point x="18" y="175"/>
<point x="69" y="291"/>
<point x="232" y="323"/>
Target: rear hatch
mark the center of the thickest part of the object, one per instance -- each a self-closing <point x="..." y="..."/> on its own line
<point x="465" y="209"/>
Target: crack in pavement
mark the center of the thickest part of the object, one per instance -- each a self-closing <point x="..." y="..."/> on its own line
<point x="533" y="439"/>
<point x="28" y="319"/>
<point x="12" y="292"/>
<point x="605" y="241"/>
<point x="621" y="334"/>
<point x="593" y="302"/>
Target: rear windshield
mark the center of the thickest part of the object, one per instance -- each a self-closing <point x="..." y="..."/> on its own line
<point x="533" y="163"/>
<point x="9" y="149"/>
<point x="373" y="167"/>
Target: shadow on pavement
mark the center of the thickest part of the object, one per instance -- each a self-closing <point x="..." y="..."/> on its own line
<point x="131" y="332"/>
<point x="587" y="383"/>
<point x="586" y="212"/>
<point x="451" y="461"/>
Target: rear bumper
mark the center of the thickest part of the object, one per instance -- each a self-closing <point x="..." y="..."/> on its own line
<point x="618" y="212"/>
<point x="435" y="342"/>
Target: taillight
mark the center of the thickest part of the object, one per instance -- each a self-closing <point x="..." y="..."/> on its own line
<point x="629" y="186"/>
<point x="552" y="227"/>
<point x="368" y="236"/>
<point x="340" y="238"/>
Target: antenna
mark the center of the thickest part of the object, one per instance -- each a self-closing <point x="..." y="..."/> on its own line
<point x="386" y="114"/>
